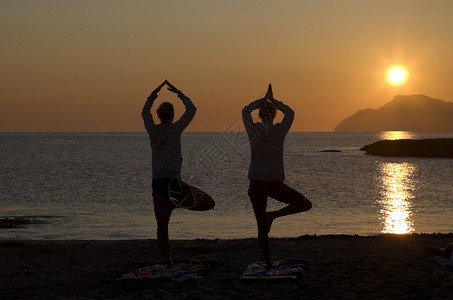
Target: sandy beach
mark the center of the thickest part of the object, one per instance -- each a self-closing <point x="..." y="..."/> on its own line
<point x="342" y="267"/>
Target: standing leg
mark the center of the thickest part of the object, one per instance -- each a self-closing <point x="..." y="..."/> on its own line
<point x="448" y="250"/>
<point x="263" y="236"/>
<point x="259" y="203"/>
<point x="162" y="210"/>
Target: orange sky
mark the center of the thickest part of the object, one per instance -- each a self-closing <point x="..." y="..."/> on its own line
<point x="89" y="65"/>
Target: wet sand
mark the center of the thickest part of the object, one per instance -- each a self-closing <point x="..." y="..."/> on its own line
<point x="342" y="267"/>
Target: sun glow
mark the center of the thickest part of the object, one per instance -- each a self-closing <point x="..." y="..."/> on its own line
<point x="396" y="75"/>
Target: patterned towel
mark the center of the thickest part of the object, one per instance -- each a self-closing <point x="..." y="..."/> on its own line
<point x="286" y="269"/>
<point x="181" y="272"/>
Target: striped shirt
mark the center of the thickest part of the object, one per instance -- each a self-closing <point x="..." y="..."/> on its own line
<point x="165" y="139"/>
<point x="266" y="143"/>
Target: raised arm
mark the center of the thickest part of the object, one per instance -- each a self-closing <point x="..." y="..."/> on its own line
<point x="189" y="114"/>
<point x="146" y="110"/>
<point x="247" y="113"/>
<point x="287" y="111"/>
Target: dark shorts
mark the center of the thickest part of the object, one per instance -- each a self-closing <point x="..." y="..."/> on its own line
<point x="259" y="190"/>
<point x="169" y="187"/>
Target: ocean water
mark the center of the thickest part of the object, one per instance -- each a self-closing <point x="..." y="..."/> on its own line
<point x="98" y="186"/>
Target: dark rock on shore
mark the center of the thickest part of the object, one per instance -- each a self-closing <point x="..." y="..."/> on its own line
<point x="15" y="222"/>
<point x="439" y="148"/>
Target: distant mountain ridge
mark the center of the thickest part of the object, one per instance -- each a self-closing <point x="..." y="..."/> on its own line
<point x="403" y="113"/>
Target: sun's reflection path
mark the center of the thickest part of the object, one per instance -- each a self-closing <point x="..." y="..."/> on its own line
<point x="396" y="135"/>
<point x="396" y="200"/>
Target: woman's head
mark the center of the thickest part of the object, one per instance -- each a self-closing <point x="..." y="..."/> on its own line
<point x="166" y="112"/>
<point x="267" y="111"/>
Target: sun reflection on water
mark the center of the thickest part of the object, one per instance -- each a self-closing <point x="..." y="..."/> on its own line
<point x="396" y="135"/>
<point x="396" y="202"/>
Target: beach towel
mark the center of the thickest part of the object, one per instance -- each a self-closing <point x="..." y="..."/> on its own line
<point x="181" y="272"/>
<point x="282" y="270"/>
<point x="444" y="261"/>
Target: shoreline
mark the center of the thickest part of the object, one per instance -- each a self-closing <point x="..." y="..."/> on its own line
<point x="301" y="237"/>
<point x="341" y="266"/>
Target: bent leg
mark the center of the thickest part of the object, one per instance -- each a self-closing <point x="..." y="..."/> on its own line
<point x="196" y="199"/>
<point x="297" y="203"/>
<point x="162" y="211"/>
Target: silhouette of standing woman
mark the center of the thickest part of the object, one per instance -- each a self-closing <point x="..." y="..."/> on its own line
<point x="266" y="171"/>
<point x="169" y="191"/>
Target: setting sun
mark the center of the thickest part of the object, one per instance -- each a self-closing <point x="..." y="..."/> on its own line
<point x="396" y="75"/>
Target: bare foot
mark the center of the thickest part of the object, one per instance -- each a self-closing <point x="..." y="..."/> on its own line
<point x="170" y="264"/>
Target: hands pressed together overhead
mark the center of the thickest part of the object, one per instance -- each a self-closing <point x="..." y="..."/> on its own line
<point x="269" y="101"/>
<point x="170" y="87"/>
